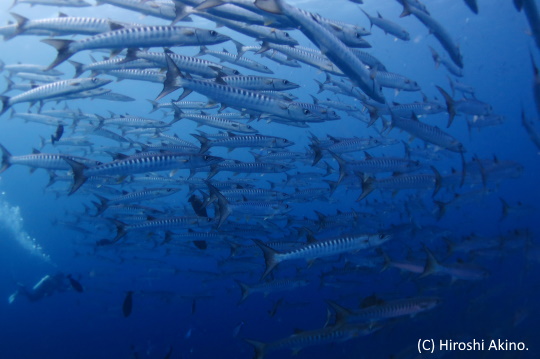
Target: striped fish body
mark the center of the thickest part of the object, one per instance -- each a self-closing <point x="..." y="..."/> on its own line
<point x="428" y="133"/>
<point x="161" y="10"/>
<point x="149" y="36"/>
<point x="219" y="122"/>
<point x="189" y="64"/>
<point x="259" y="83"/>
<point x="232" y="142"/>
<point x="396" y="308"/>
<point x="320" y="249"/>
<point x="55" y="90"/>
<point x="68" y="25"/>
<point x="333" y="48"/>
<point x="138" y="75"/>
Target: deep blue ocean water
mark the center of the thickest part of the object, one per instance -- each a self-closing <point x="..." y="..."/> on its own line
<point x="187" y="299"/>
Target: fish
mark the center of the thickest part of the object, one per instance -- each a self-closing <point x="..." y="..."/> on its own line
<point x="319" y="249"/>
<point x="388" y="27"/>
<point x="133" y="37"/>
<point x="328" y="43"/>
<point x="127" y="305"/>
<point x="54" y="90"/>
<point x="75" y="284"/>
<point x="57" y="134"/>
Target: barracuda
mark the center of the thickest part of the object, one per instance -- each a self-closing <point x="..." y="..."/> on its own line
<point x="65" y="25"/>
<point x="139" y="164"/>
<point x="300" y="340"/>
<point x="385" y="310"/>
<point x="329" y="44"/>
<point x="189" y="64"/>
<point x="236" y="60"/>
<point x="320" y="249"/>
<point x="216" y="122"/>
<point x="55" y="90"/>
<point x="232" y="96"/>
<point x="159" y="224"/>
<point x="137" y="36"/>
<point x="48" y="161"/>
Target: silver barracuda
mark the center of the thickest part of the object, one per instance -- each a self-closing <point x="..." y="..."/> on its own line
<point x="55" y="90"/>
<point x="329" y="44"/>
<point x="137" y="36"/>
<point x="320" y="249"/>
<point x="139" y="164"/>
<point x="219" y="91"/>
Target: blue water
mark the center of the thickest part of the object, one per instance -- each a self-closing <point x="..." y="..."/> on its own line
<point x="167" y="279"/>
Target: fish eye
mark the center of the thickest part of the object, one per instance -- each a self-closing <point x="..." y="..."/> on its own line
<point x="306" y="111"/>
<point x="213" y="33"/>
<point x="381" y="236"/>
<point x="358" y="36"/>
<point x="236" y="72"/>
<point x="285" y="82"/>
<point x="286" y="34"/>
<point x="234" y="125"/>
<point x="206" y="157"/>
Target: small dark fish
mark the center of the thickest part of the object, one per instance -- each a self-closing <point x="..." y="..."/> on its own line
<point x="57" y="134"/>
<point x="75" y="284"/>
<point x="193" y="306"/>
<point x="202" y="245"/>
<point x="169" y="353"/>
<point x="199" y="208"/>
<point x="127" y="306"/>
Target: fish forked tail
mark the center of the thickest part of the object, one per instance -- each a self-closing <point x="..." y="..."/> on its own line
<point x="64" y="53"/>
<point x="223" y="210"/>
<point x="270" y="257"/>
<point x="342" y="313"/>
<point x="432" y="264"/>
<point x="450" y="107"/>
<point x="5" y="104"/>
<point x="171" y="77"/>
<point x="245" y="290"/>
<point x="6" y="156"/>
<point x="367" y="186"/>
<point x="260" y="348"/>
<point x="78" y="174"/>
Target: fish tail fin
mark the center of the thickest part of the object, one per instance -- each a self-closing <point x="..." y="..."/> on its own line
<point x="120" y="230"/>
<point x="406" y="9"/>
<point x="369" y="17"/>
<point x="260" y="348"/>
<point x="204" y="142"/>
<point x="171" y="77"/>
<point x="441" y="209"/>
<point x="202" y="51"/>
<point x="78" y="68"/>
<point x="64" y="53"/>
<point x="505" y="208"/>
<point x="270" y="257"/>
<point x="181" y="12"/>
<point x="101" y="206"/>
<point x="438" y="181"/>
<point x="432" y="264"/>
<point x="342" y="164"/>
<point x="240" y="49"/>
<point x="272" y="6"/>
<point x="5" y="104"/>
<point x="341" y="313"/>
<point x="155" y="105"/>
<point x="317" y="153"/>
<point x="450" y="107"/>
<point x="223" y="210"/>
<point x="6" y="156"/>
<point x="245" y="290"/>
<point x="78" y="174"/>
<point x="387" y="261"/>
<point x="367" y="186"/>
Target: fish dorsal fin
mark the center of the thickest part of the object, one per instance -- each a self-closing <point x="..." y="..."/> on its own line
<point x="61" y="14"/>
<point x="231" y="134"/>
<point x="368" y="156"/>
<point x="35" y="151"/>
<point x="225" y="51"/>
